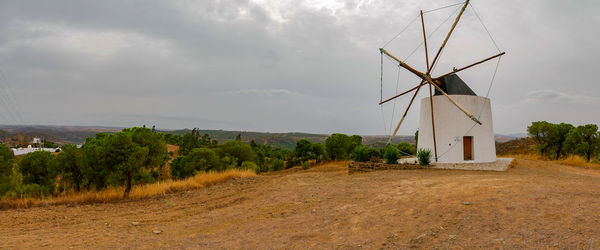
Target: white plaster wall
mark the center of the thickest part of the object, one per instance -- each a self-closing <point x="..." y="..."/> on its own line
<point x="451" y="125"/>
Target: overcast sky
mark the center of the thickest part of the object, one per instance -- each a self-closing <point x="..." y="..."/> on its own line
<point x="282" y="66"/>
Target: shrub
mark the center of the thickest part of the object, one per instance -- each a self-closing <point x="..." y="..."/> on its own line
<point x="293" y="162"/>
<point x="305" y="165"/>
<point x="248" y="165"/>
<point x="361" y="153"/>
<point x="38" y="168"/>
<point x="406" y="148"/>
<point x="34" y="190"/>
<point x="390" y="155"/>
<point x="278" y="165"/>
<point x="424" y="156"/>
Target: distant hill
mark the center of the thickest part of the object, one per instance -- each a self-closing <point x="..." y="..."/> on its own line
<point x="78" y="134"/>
<point x="517" y="146"/>
<point x="285" y="140"/>
<point x="57" y="134"/>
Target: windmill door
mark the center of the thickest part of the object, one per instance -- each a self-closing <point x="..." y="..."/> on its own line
<point x="468" y="148"/>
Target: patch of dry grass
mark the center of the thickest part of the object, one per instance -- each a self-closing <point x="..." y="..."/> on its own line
<point x="572" y="160"/>
<point x="137" y="192"/>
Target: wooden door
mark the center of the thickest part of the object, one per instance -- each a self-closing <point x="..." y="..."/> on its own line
<point x="468" y="148"/>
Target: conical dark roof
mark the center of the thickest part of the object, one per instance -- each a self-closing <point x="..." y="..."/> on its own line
<point x="453" y="85"/>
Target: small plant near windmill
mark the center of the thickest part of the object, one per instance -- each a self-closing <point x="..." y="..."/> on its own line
<point x="390" y="155"/>
<point x="424" y="156"/>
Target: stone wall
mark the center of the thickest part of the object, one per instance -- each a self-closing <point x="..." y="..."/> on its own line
<point x="362" y="167"/>
<point x="501" y="164"/>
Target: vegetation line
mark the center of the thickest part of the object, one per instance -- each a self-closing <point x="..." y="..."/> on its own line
<point x="138" y="192"/>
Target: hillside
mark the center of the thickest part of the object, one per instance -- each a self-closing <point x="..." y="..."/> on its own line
<point x="58" y="134"/>
<point x="78" y="134"/>
<point x="517" y="146"/>
<point x="284" y="140"/>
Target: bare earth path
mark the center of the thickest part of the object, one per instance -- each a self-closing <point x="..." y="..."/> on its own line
<point x="534" y="204"/>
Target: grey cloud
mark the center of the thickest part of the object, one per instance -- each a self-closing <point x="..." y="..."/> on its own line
<point x="548" y="95"/>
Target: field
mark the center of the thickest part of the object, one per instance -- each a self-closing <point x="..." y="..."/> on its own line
<point x="533" y="204"/>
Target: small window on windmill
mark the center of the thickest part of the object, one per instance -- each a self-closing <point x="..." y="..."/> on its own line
<point x="468" y="148"/>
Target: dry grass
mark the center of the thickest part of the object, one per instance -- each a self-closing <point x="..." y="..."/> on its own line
<point x="572" y="160"/>
<point x="137" y="192"/>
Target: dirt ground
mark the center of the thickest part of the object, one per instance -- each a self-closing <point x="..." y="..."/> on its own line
<point x="534" y="204"/>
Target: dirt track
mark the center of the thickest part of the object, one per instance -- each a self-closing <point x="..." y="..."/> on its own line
<point x="535" y="204"/>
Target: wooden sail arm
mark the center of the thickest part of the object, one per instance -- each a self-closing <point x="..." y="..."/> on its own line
<point x="403" y="93"/>
<point x="403" y="64"/>
<point x="409" y="68"/>
<point x="466" y="67"/>
<point x="430" y="81"/>
<point x="404" y="115"/>
<point x="448" y="36"/>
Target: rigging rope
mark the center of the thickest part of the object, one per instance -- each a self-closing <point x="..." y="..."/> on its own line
<point x="400" y="33"/>
<point x="394" y="107"/>
<point x="441" y="8"/>
<point x="431" y="34"/>
<point x="384" y="122"/>
<point x="485" y="27"/>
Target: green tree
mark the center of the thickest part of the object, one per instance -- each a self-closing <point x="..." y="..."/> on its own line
<point x="126" y="157"/>
<point x="6" y="160"/>
<point x="416" y="138"/>
<point x="38" y="168"/>
<point x="48" y="144"/>
<point x="156" y="144"/>
<point x="200" y="159"/>
<point x="584" y="140"/>
<point x="355" y="141"/>
<point x="238" y="150"/>
<point x="562" y="130"/>
<point x="337" y="146"/>
<point x="545" y="134"/>
<point x="96" y="169"/>
<point x="192" y="140"/>
<point x="303" y="148"/>
<point x="6" y="166"/>
<point x="318" y="150"/>
<point x="69" y="165"/>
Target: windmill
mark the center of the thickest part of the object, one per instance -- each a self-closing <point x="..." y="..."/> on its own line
<point x="450" y="92"/>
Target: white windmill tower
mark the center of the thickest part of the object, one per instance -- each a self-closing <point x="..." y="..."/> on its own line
<point x="455" y="123"/>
